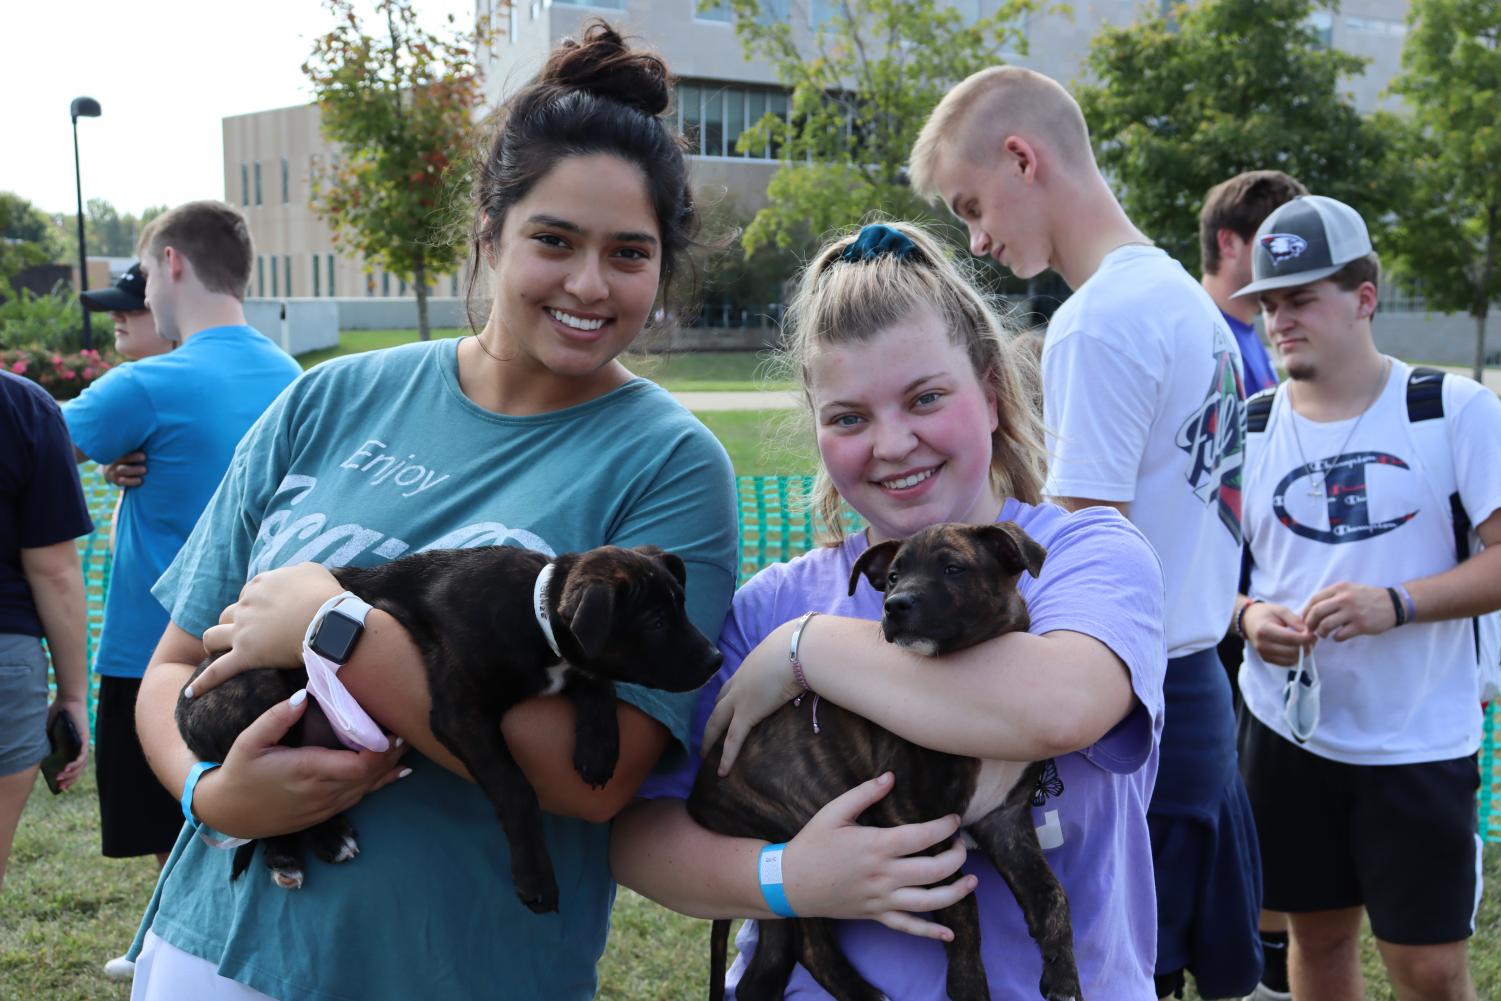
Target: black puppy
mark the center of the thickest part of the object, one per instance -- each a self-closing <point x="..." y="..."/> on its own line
<point x="616" y="614"/>
<point x="948" y="587"/>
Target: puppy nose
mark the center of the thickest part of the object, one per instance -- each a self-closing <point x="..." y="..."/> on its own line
<point x="899" y="605"/>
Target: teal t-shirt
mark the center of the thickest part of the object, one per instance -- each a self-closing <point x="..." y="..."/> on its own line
<point x="365" y="459"/>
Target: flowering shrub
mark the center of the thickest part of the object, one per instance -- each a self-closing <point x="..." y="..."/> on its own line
<point x="63" y="374"/>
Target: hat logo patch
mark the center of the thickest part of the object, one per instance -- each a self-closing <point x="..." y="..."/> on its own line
<point x="1283" y="246"/>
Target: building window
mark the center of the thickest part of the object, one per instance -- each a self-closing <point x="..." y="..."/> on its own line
<point x="719" y="10"/>
<point x="257" y="182"/>
<point x="713" y="128"/>
<point x="1376" y="25"/>
<point x="317" y="285"/>
<point x="536" y="8"/>
<point x="385" y="283"/>
<point x="775" y="12"/>
<point x="286" y="272"/>
<point x="401" y="286"/>
<point x="244" y="183"/>
<point x="286" y="181"/>
<point x="331" y="275"/>
<point x="275" y="288"/>
<point x="691" y="115"/>
<point x="453" y="284"/>
<point x="602" y="4"/>
<point x="714" y="118"/>
<point x="260" y="277"/>
<point x="513" y="22"/>
<point x="1322" y="23"/>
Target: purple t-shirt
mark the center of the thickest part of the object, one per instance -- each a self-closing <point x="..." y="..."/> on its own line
<point x="1102" y="579"/>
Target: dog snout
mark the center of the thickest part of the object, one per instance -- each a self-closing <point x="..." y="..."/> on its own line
<point x="900" y="604"/>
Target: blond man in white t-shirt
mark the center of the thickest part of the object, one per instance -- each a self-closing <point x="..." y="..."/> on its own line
<point x="1143" y="396"/>
<point x="1361" y="763"/>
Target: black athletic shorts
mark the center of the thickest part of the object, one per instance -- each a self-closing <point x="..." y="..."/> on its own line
<point x="1399" y="840"/>
<point x="136" y="815"/>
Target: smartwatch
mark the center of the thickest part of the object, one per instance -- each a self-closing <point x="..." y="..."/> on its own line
<point x="337" y="627"/>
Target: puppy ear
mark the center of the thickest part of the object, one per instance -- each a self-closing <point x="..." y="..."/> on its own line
<point x="588" y="610"/>
<point x="674" y="565"/>
<point x="874" y="563"/>
<point x="1016" y="550"/>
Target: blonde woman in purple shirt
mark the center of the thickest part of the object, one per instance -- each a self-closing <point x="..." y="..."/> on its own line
<point x="925" y="410"/>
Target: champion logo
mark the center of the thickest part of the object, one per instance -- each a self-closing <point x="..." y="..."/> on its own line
<point x="1283" y="246"/>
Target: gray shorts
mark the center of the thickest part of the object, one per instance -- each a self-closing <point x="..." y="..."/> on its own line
<point x="23" y="702"/>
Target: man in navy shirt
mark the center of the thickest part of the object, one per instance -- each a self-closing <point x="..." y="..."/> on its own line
<point x="186" y="411"/>
<point x="42" y="511"/>
<point x="1232" y="211"/>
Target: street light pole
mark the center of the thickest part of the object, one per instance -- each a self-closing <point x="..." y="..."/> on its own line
<point x="82" y="107"/>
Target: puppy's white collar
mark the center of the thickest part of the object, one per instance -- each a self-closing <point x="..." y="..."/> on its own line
<point x="539" y="607"/>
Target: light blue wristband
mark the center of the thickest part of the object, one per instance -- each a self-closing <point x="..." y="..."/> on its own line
<point x="771" y="881"/>
<point x="194" y="775"/>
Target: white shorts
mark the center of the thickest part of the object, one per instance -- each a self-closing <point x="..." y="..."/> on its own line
<point x="166" y="973"/>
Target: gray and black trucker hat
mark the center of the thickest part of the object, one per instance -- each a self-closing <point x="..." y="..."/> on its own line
<point x="1303" y="241"/>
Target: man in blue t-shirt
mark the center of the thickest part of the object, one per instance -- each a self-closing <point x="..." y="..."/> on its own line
<point x="186" y="411"/>
<point x="1232" y="211"/>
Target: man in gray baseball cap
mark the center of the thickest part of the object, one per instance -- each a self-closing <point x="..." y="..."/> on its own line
<point x="1365" y="621"/>
<point x="1304" y="240"/>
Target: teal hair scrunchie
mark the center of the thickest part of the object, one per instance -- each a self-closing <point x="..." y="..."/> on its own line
<point x="878" y="240"/>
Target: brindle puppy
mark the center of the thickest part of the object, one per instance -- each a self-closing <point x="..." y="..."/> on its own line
<point x="947" y="587"/>
<point x="617" y="615"/>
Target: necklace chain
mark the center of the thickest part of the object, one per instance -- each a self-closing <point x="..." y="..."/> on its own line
<point x="1317" y="490"/>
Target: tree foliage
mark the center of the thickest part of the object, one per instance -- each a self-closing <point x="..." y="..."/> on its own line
<point x="27" y="237"/>
<point x="1449" y="229"/>
<point x="1187" y="99"/>
<point x="399" y="107"/>
<point x="862" y="84"/>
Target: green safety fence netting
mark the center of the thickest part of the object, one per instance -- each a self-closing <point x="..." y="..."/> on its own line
<point x="776" y="524"/>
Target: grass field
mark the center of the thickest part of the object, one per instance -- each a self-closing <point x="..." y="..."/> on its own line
<point x="761" y="442"/>
<point x="697" y="371"/>
<point x="66" y="910"/>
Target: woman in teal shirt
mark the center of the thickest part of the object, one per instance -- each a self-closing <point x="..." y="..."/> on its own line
<point x="531" y="433"/>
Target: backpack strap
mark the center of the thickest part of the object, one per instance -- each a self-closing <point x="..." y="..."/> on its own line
<point x="1425" y="404"/>
<point x="1259" y="410"/>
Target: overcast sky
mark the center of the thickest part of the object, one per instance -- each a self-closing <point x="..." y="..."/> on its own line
<point x="165" y="72"/>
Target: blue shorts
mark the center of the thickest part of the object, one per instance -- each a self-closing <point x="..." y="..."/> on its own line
<point x="1208" y="878"/>
<point x="23" y="702"/>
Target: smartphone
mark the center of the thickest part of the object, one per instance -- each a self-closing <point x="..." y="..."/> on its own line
<point x="65" y="742"/>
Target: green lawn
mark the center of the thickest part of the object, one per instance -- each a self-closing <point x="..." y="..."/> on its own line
<point x="761" y="442"/>
<point x="696" y="371"/>
<point x="66" y="910"/>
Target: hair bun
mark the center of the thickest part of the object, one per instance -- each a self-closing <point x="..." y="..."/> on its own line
<point x="603" y="65"/>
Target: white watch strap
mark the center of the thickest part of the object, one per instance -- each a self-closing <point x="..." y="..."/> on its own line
<point x="347" y="602"/>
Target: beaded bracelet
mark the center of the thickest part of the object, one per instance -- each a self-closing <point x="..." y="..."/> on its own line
<point x="1240" y="617"/>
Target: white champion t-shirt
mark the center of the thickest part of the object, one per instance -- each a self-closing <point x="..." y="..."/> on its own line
<point x="1144" y="402"/>
<point x="1412" y="693"/>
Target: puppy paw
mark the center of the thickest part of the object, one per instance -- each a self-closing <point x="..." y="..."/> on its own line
<point x="594" y="766"/>
<point x="541" y="898"/>
<point x="1060" y="985"/>
<point x="334" y="840"/>
<point x="287" y="879"/>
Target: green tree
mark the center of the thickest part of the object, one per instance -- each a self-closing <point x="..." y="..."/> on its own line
<point x="1189" y="98"/>
<point x="863" y="82"/>
<point x="27" y="237"/>
<point x="400" y="109"/>
<point x="1449" y="230"/>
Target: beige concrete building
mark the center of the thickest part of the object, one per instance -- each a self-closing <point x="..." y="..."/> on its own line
<point x="270" y="155"/>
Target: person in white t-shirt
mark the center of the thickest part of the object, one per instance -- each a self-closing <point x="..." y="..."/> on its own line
<point x="1144" y="404"/>
<point x="1361" y="765"/>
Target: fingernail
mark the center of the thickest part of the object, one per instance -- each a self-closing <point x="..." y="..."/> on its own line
<point x="397" y="742"/>
<point x="403" y="773"/>
<point x="884" y="778"/>
<point x="187" y="692"/>
<point x="298" y="698"/>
